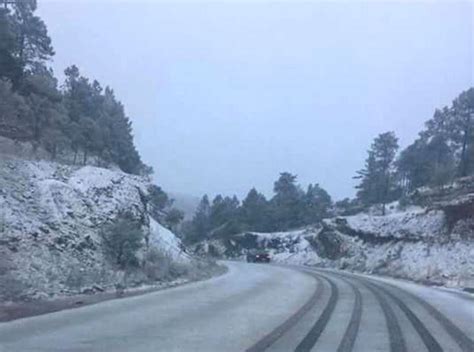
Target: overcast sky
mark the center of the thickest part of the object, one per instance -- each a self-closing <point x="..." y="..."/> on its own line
<point x="224" y="96"/>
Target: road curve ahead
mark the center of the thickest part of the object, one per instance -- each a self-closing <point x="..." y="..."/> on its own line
<point x="260" y="308"/>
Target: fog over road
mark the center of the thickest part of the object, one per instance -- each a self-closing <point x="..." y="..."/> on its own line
<point x="257" y="307"/>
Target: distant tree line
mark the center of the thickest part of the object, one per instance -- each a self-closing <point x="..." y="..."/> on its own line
<point x="80" y="119"/>
<point x="290" y="207"/>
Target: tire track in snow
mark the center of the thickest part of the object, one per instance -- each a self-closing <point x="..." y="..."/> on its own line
<point x="464" y="342"/>
<point x="313" y="335"/>
<point x="387" y="297"/>
<point x="396" y="339"/>
<point x="274" y="335"/>
<point x="430" y="342"/>
<point x="347" y="343"/>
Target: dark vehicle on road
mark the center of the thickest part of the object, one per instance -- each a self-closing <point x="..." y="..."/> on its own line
<point x="258" y="257"/>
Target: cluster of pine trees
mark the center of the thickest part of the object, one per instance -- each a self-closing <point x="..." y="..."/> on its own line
<point x="290" y="207"/>
<point x="80" y="119"/>
<point x="443" y="151"/>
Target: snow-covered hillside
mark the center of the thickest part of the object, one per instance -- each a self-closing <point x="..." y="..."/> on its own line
<point x="51" y="216"/>
<point x="418" y="243"/>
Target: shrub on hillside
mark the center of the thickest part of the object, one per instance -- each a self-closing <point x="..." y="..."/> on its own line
<point x="11" y="287"/>
<point x="160" y="265"/>
<point x="122" y="240"/>
<point x="157" y="264"/>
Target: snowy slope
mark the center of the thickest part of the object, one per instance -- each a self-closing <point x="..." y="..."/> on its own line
<point x="163" y="238"/>
<point x="50" y="219"/>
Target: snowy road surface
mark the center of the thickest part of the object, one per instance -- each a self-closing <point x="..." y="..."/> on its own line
<point x="260" y="307"/>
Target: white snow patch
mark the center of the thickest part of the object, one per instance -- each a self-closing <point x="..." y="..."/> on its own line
<point x="167" y="241"/>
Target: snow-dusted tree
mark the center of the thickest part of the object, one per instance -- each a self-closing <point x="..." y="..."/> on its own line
<point x="25" y="45"/>
<point x="377" y="177"/>
<point x="317" y="204"/>
<point x="200" y="224"/>
<point x="255" y="213"/>
<point x="462" y="112"/>
<point x="287" y="204"/>
<point x="426" y="162"/>
<point x="444" y="149"/>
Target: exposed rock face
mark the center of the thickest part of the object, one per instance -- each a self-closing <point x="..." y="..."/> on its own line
<point x="50" y="219"/>
<point x="416" y="243"/>
<point x="433" y="245"/>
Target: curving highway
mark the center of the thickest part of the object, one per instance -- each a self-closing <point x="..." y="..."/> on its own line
<point x="261" y="308"/>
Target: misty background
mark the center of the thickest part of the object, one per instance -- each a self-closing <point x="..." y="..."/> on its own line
<point x="224" y="96"/>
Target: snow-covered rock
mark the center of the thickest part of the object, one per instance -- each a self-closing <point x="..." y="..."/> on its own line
<point x="414" y="222"/>
<point x="51" y="216"/>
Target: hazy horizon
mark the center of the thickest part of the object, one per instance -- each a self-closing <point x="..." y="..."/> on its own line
<point x="224" y="96"/>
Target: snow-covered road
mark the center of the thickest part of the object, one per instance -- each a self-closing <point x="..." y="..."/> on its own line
<point x="260" y="307"/>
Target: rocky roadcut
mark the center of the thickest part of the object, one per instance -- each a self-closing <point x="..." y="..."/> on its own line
<point x="51" y="216"/>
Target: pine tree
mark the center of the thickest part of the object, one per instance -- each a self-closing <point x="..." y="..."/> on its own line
<point x="367" y="188"/>
<point x="14" y="113"/>
<point x="377" y="178"/>
<point x="32" y="43"/>
<point x="255" y="214"/>
<point x="224" y="214"/>
<point x="287" y="204"/>
<point x="200" y="224"/>
<point x="463" y="130"/>
<point x="47" y="116"/>
<point x="444" y="149"/>
<point x="10" y="67"/>
<point x="317" y="204"/>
